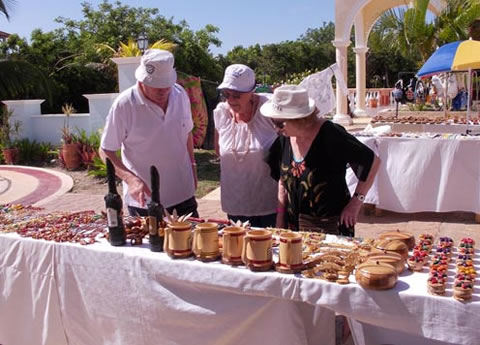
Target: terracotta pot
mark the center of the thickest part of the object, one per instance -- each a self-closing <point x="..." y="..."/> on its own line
<point x="373" y="102"/>
<point x="11" y="155"/>
<point x="71" y="156"/>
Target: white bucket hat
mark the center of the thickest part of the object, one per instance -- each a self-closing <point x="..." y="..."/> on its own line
<point x="238" y="78"/>
<point x="156" y="69"/>
<point x="289" y="102"/>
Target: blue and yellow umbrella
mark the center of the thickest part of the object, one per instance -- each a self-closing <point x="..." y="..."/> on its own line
<point x="455" y="56"/>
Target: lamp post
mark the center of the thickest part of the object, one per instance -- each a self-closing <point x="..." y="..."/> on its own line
<point x="142" y="42"/>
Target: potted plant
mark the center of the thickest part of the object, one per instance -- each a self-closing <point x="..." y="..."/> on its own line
<point x="70" y="151"/>
<point x="8" y="129"/>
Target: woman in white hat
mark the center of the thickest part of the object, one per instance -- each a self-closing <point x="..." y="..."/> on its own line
<point x="242" y="139"/>
<point x="310" y="160"/>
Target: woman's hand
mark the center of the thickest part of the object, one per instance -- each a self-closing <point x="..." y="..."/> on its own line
<point x="138" y="190"/>
<point x="349" y="215"/>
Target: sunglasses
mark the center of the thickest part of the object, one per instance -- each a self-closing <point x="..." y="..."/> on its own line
<point x="231" y="94"/>
<point x="279" y="124"/>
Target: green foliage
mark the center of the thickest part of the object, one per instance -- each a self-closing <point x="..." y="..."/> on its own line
<point x="408" y="32"/>
<point x="113" y="23"/>
<point x="89" y="145"/>
<point x="8" y="128"/>
<point x="130" y="49"/>
<point x="98" y="168"/>
<point x="455" y="19"/>
<point x="23" y="80"/>
<point x="474" y="29"/>
<point x="273" y="63"/>
<point x="296" y="78"/>
<point x="33" y="152"/>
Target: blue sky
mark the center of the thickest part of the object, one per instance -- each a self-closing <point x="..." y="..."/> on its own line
<point x="240" y="22"/>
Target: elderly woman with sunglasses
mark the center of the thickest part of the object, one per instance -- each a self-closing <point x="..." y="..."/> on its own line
<point x="242" y="139"/>
<point x="310" y="161"/>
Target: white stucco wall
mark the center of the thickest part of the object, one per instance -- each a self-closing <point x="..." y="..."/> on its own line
<point x="48" y="127"/>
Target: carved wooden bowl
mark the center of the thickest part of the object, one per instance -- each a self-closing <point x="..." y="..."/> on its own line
<point x="391" y="258"/>
<point x="376" y="275"/>
<point x="404" y="236"/>
<point x="396" y="246"/>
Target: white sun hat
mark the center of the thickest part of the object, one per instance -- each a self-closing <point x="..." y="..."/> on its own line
<point x="288" y="102"/>
<point x="238" y="77"/>
<point x="156" y="69"/>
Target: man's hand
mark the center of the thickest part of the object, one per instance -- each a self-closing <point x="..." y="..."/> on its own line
<point x="138" y="190"/>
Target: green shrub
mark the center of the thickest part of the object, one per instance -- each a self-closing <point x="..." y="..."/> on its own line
<point x="33" y="152"/>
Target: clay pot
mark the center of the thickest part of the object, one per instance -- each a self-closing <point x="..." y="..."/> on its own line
<point x="71" y="156"/>
<point x="11" y="155"/>
<point x="376" y="275"/>
<point x="404" y="236"/>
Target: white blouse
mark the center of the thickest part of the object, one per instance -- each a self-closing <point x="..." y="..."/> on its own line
<point x="246" y="186"/>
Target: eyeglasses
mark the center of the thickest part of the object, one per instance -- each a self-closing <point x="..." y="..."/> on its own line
<point x="231" y="94"/>
<point x="279" y="124"/>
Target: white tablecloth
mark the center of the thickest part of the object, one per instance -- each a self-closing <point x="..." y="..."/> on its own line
<point x="432" y="128"/>
<point x="98" y="294"/>
<point x="52" y="293"/>
<point x="424" y="174"/>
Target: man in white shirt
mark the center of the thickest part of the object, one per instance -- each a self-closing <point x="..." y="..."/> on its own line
<point x="151" y="122"/>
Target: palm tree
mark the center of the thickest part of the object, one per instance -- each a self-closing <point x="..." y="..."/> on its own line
<point x="455" y="19"/>
<point x="21" y="79"/>
<point x="408" y="32"/>
<point x="474" y="30"/>
<point x="3" y="8"/>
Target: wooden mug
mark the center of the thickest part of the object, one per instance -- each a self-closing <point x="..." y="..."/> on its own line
<point x="290" y="258"/>
<point x="205" y="242"/>
<point x="257" y="250"/>
<point x="233" y="241"/>
<point x="178" y="240"/>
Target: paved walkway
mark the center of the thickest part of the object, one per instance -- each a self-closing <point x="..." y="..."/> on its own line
<point x="31" y="186"/>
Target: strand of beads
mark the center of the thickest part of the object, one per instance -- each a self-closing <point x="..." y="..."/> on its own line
<point x="465" y="277"/>
<point x="81" y="227"/>
<point x="11" y="214"/>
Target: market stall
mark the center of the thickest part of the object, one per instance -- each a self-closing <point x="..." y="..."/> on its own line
<point x="425" y="172"/>
<point x="68" y="293"/>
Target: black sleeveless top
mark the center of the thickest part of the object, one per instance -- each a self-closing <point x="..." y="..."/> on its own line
<point x="316" y="186"/>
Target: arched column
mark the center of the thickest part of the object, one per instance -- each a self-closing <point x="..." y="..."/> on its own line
<point x="342" y="116"/>
<point x="360" y="79"/>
